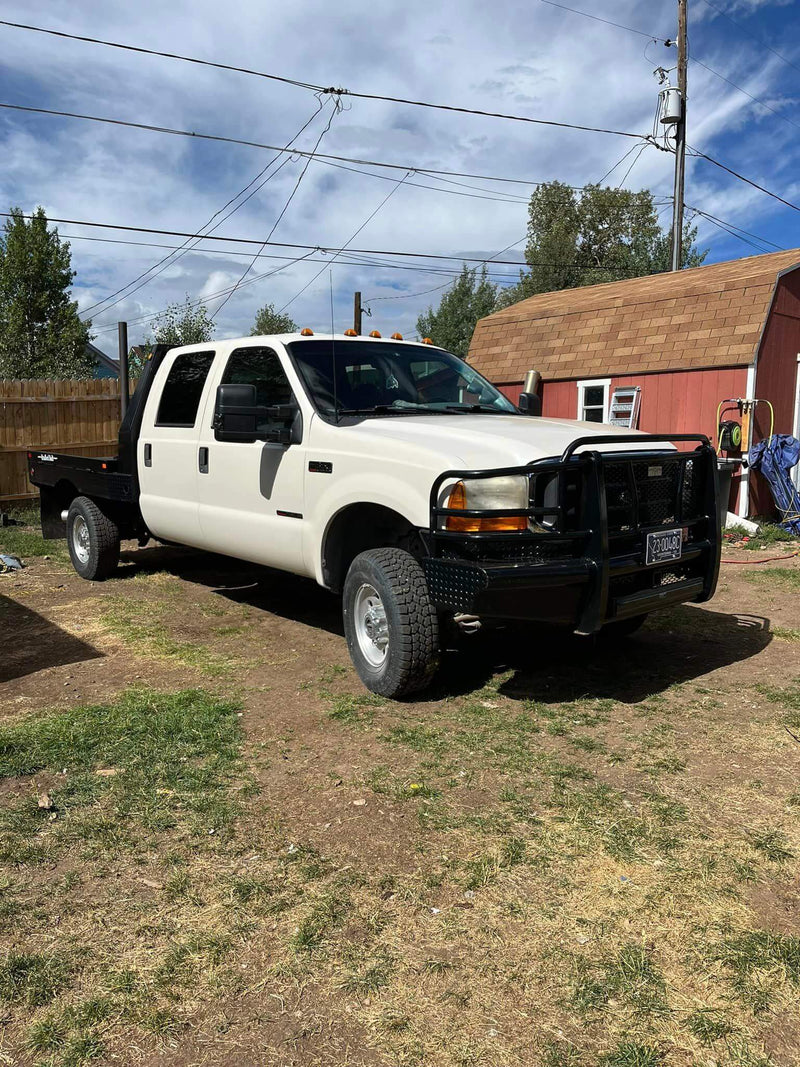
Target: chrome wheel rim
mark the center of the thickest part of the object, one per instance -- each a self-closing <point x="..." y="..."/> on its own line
<point x="80" y="539"/>
<point x="372" y="626"/>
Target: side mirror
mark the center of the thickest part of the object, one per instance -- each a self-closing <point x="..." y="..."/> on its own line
<point x="530" y="403"/>
<point x="237" y="417"/>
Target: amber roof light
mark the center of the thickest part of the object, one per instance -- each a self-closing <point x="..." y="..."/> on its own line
<point x="351" y="333"/>
<point x="427" y="341"/>
<point x="397" y="337"/>
<point x="305" y="332"/>
<point x="374" y="334"/>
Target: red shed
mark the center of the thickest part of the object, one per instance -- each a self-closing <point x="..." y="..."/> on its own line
<point x="688" y="340"/>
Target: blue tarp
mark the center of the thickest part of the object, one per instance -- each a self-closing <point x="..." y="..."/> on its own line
<point x="775" y="459"/>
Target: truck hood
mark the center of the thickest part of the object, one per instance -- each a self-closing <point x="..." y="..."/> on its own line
<point x="476" y="441"/>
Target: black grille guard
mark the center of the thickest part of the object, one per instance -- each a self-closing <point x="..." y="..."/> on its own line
<point x="589" y="540"/>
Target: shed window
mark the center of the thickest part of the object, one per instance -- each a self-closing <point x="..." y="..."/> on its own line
<point x="593" y="400"/>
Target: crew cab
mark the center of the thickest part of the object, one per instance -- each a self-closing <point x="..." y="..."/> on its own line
<point x="395" y="475"/>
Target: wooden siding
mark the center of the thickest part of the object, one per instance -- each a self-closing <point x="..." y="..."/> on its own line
<point x="673" y="402"/>
<point x="68" y="416"/>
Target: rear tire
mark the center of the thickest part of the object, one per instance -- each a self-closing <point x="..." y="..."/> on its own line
<point x="390" y="623"/>
<point x="93" y="540"/>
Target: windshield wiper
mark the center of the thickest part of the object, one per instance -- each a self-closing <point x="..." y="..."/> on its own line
<point x="386" y="409"/>
<point x="488" y="409"/>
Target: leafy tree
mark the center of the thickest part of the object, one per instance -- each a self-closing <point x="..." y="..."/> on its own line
<point x="268" y="321"/>
<point x="181" y="323"/>
<point x="594" y="235"/>
<point x="184" y="323"/>
<point x="41" y="335"/>
<point x="469" y="298"/>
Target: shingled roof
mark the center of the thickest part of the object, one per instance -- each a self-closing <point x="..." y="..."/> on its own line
<point x="703" y="317"/>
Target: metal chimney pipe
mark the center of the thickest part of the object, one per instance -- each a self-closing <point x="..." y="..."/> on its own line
<point x="122" y="331"/>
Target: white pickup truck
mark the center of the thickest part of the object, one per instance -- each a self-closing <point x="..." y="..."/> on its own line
<point x="395" y="475"/>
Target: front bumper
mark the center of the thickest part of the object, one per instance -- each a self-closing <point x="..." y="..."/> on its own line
<point x="589" y="568"/>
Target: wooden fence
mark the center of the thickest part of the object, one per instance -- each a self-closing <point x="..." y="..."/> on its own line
<point x="68" y="416"/>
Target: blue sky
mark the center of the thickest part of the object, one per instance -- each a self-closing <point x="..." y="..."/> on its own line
<point x="527" y="58"/>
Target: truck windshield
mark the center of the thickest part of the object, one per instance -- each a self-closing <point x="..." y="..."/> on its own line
<point x="378" y="378"/>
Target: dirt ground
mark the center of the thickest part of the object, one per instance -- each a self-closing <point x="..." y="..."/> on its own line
<point x="566" y="853"/>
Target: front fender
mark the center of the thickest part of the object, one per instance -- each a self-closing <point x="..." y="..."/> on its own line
<point x="408" y="501"/>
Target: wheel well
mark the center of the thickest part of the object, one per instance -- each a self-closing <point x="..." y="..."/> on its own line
<point x="359" y="527"/>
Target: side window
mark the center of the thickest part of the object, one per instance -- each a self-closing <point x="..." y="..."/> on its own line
<point x="262" y="368"/>
<point x="180" y="397"/>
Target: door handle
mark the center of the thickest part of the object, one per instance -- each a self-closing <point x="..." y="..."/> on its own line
<point x="202" y="460"/>
<point x="148" y="455"/>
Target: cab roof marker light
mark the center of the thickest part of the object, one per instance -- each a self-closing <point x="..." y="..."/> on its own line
<point x="427" y="341"/>
<point x="375" y="333"/>
<point x="351" y="333"/>
<point x="306" y="332"/>
<point x="397" y="337"/>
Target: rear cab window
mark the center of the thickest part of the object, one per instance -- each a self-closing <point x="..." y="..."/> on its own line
<point x="181" y="393"/>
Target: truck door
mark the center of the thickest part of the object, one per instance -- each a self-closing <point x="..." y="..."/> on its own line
<point x="251" y="492"/>
<point x="167" y="447"/>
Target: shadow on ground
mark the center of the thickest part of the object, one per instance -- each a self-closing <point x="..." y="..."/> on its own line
<point x="545" y="664"/>
<point x="32" y="643"/>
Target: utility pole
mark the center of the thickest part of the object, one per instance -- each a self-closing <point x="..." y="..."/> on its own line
<point x="680" y="143"/>
<point x="357" y="312"/>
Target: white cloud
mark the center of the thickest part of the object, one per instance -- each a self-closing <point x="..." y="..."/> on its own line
<point x="516" y="57"/>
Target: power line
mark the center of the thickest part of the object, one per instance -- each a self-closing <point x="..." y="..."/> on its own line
<point x="319" y="156"/>
<point x="702" y="155"/>
<point x="351" y="260"/>
<point x="282" y="212"/>
<point x="353" y="236"/>
<point x="607" y="22"/>
<point x="747" y="33"/>
<point x="280" y="244"/>
<point x="330" y="90"/>
<point x="750" y="96"/>
<point x="158" y="268"/>
<point x="667" y="42"/>
<point x="731" y="226"/>
<point x="406" y="296"/>
<point x="163" y="55"/>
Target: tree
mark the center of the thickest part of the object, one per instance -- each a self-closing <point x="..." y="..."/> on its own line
<point x="41" y="335"/>
<point x="184" y="323"/>
<point x="451" y="325"/>
<point x="594" y="235"/>
<point x="268" y="321"/>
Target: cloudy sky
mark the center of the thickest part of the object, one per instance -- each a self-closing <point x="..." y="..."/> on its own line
<point x="524" y="57"/>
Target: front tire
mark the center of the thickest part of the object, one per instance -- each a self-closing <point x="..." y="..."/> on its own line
<point x="390" y="623"/>
<point x="93" y="540"/>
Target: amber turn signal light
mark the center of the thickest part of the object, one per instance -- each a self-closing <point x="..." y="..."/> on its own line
<point x="470" y="524"/>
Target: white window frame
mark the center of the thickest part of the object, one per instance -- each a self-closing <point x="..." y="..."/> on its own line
<point x="588" y="383"/>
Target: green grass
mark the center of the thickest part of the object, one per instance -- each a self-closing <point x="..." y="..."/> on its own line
<point x="757" y="960"/>
<point x="32" y="978"/>
<point x="144" y="631"/>
<point x="769" y="534"/>
<point x="783" y="577"/>
<point x="632" y="1054"/>
<point x="630" y="976"/>
<point x="709" y="1025"/>
<point x="171" y="758"/>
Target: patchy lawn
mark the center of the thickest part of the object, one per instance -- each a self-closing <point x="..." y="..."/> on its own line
<point x="216" y="847"/>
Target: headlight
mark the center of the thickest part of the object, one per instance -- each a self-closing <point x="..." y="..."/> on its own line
<point x="489" y="494"/>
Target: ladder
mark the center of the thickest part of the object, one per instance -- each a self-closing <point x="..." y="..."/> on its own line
<point x="624" y="410"/>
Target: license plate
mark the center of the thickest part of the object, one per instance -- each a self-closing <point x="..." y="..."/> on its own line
<point x="663" y="545"/>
